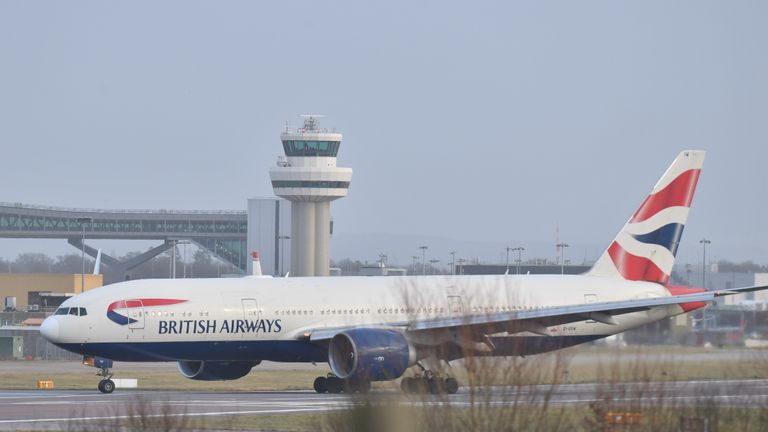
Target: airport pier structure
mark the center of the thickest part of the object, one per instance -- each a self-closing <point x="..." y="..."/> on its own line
<point x="308" y="177"/>
<point x="222" y="233"/>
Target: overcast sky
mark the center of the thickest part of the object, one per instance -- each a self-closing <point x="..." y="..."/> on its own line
<point x="483" y="121"/>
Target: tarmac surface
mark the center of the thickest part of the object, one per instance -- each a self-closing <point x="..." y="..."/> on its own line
<point x="60" y="409"/>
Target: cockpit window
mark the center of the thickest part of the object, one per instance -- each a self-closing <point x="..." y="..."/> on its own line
<point x="76" y="311"/>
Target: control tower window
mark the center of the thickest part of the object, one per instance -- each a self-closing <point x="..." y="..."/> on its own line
<point x="311" y="148"/>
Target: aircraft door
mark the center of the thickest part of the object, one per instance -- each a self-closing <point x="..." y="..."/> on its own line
<point x="455" y="306"/>
<point x="134" y="310"/>
<point x="250" y="309"/>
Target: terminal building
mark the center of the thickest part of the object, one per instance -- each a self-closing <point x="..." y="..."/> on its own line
<point x="43" y="292"/>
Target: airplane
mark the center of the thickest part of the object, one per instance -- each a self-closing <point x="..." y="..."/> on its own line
<point x="377" y="328"/>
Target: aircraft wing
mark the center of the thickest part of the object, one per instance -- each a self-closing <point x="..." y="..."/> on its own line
<point x="556" y="315"/>
<point x="540" y="318"/>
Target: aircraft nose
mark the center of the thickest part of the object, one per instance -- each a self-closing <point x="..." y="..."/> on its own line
<point x="50" y="329"/>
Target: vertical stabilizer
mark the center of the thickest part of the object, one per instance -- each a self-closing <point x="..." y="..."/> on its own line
<point x="645" y="249"/>
<point x="256" y="271"/>
<point x="97" y="264"/>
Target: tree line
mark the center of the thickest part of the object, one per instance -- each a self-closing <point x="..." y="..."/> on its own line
<point x="202" y="265"/>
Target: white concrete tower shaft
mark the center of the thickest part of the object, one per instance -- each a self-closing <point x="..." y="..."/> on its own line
<point x="309" y="178"/>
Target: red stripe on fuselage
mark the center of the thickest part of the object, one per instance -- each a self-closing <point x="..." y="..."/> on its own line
<point x="124" y="304"/>
<point x="636" y="268"/>
<point x="679" y="193"/>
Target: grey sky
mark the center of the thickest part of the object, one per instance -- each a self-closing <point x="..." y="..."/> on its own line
<point x="463" y="120"/>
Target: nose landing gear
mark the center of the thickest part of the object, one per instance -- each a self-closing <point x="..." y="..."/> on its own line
<point x="106" y="385"/>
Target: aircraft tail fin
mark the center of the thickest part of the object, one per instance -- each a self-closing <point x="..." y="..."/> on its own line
<point x="645" y="248"/>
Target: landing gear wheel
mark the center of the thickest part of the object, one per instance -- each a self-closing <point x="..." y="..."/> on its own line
<point x="415" y="385"/>
<point x="364" y="387"/>
<point x="106" y="386"/>
<point x="420" y="385"/>
<point x="451" y="385"/>
<point x="334" y="385"/>
<point x="435" y="385"/>
<point x="321" y="384"/>
<point x="405" y="384"/>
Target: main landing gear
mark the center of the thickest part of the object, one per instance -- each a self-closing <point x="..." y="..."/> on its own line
<point x="334" y="385"/>
<point x="428" y="382"/>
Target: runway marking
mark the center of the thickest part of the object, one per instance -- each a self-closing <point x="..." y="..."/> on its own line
<point x="208" y="414"/>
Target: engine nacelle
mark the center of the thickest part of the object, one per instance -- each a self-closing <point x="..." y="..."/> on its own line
<point x="215" y="371"/>
<point x="370" y="354"/>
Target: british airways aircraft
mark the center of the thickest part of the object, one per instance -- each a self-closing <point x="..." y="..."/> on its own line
<point x="376" y="328"/>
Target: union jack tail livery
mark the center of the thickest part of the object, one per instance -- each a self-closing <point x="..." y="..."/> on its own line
<point x="644" y="250"/>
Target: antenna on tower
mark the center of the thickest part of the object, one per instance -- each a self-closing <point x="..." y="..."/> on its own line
<point x="310" y="121"/>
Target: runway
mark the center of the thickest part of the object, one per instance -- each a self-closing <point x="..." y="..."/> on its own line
<point x="55" y="410"/>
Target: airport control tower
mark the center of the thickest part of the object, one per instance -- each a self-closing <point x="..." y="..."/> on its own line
<point x="309" y="178"/>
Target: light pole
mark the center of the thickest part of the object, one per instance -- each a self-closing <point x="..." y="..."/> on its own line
<point x="413" y="266"/>
<point x="704" y="242"/>
<point x="461" y="264"/>
<point x="423" y="259"/>
<point x="508" y="249"/>
<point x="519" y="250"/>
<point x="184" y="261"/>
<point x="453" y="262"/>
<point x="172" y="263"/>
<point x="562" y="247"/>
<point x="282" y="251"/>
<point x="83" y="221"/>
<point x="433" y="262"/>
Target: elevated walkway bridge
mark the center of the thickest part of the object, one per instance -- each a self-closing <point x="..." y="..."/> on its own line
<point x="222" y="233"/>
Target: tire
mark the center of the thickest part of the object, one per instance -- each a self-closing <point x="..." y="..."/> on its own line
<point x="364" y="387"/>
<point x="435" y="386"/>
<point x="349" y="386"/>
<point x="420" y="386"/>
<point x="334" y="385"/>
<point x="405" y="385"/>
<point x="107" y="386"/>
<point x="321" y="385"/>
<point x="451" y="385"/>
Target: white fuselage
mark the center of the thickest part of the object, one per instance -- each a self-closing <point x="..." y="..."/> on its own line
<point x="262" y="318"/>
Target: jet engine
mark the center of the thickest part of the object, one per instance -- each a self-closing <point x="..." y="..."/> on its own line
<point x="215" y="371"/>
<point x="370" y="354"/>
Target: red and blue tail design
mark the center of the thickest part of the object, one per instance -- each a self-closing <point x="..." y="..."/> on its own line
<point x="645" y="249"/>
<point x="124" y="305"/>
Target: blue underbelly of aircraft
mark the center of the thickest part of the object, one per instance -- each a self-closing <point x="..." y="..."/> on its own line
<point x="278" y="351"/>
<point x="286" y="351"/>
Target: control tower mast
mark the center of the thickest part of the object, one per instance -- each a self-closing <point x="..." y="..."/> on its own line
<point x="309" y="178"/>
